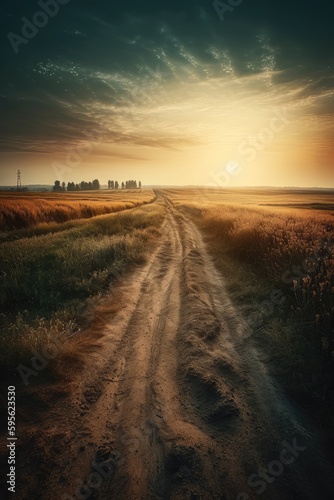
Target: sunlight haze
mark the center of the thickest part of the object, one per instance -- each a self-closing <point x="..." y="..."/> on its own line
<point x="171" y="99"/>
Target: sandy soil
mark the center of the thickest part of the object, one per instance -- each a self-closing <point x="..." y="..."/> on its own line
<point x="177" y="403"/>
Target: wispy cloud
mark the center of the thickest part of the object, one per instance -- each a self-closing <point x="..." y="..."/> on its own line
<point x="167" y="77"/>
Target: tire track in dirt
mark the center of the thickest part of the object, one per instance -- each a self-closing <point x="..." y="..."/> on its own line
<point x="175" y="402"/>
<point x="249" y="414"/>
<point x="153" y="404"/>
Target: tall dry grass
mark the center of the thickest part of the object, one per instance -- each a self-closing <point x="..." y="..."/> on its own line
<point x="289" y="249"/>
<point x="259" y="250"/>
<point x="18" y="211"/>
<point x="45" y="281"/>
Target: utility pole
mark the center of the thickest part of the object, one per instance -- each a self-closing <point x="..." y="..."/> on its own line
<point x="18" y="183"/>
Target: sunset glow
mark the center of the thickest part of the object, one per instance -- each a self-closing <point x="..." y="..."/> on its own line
<point x="170" y="97"/>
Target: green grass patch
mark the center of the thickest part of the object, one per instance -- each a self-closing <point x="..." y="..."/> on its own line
<point x="45" y="281"/>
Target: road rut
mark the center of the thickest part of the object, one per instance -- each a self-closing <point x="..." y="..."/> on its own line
<point x="178" y="403"/>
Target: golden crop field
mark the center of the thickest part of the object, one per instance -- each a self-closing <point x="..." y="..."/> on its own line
<point x="19" y="210"/>
<point x="291" y="248"/>
<point x="222" y="297"/>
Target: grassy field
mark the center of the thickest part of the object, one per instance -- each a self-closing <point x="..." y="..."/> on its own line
<point x="18" y="210"/>
<point x="274" y="249"/>
<point x="46" y="280"/>
<point x="278" y="263"/>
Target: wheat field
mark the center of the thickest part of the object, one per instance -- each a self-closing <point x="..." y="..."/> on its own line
<point x="19" y="210"/>
<point x="288" y="248"/>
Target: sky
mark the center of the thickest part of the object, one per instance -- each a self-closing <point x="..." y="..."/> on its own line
<point x="177" y="92"/>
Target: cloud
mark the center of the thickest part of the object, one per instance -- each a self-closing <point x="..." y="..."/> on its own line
<point x="168" y="76"/>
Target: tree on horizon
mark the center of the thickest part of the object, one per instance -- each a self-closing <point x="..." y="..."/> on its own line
<point x="58" y="188"/>
<point x="96" y="184"/>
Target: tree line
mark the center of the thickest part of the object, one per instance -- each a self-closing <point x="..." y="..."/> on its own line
<point x="93" y="185"/>
<point x="124" y="185"/>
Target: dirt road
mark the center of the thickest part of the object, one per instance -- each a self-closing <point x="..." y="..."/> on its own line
<point x="178" y="403"/>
